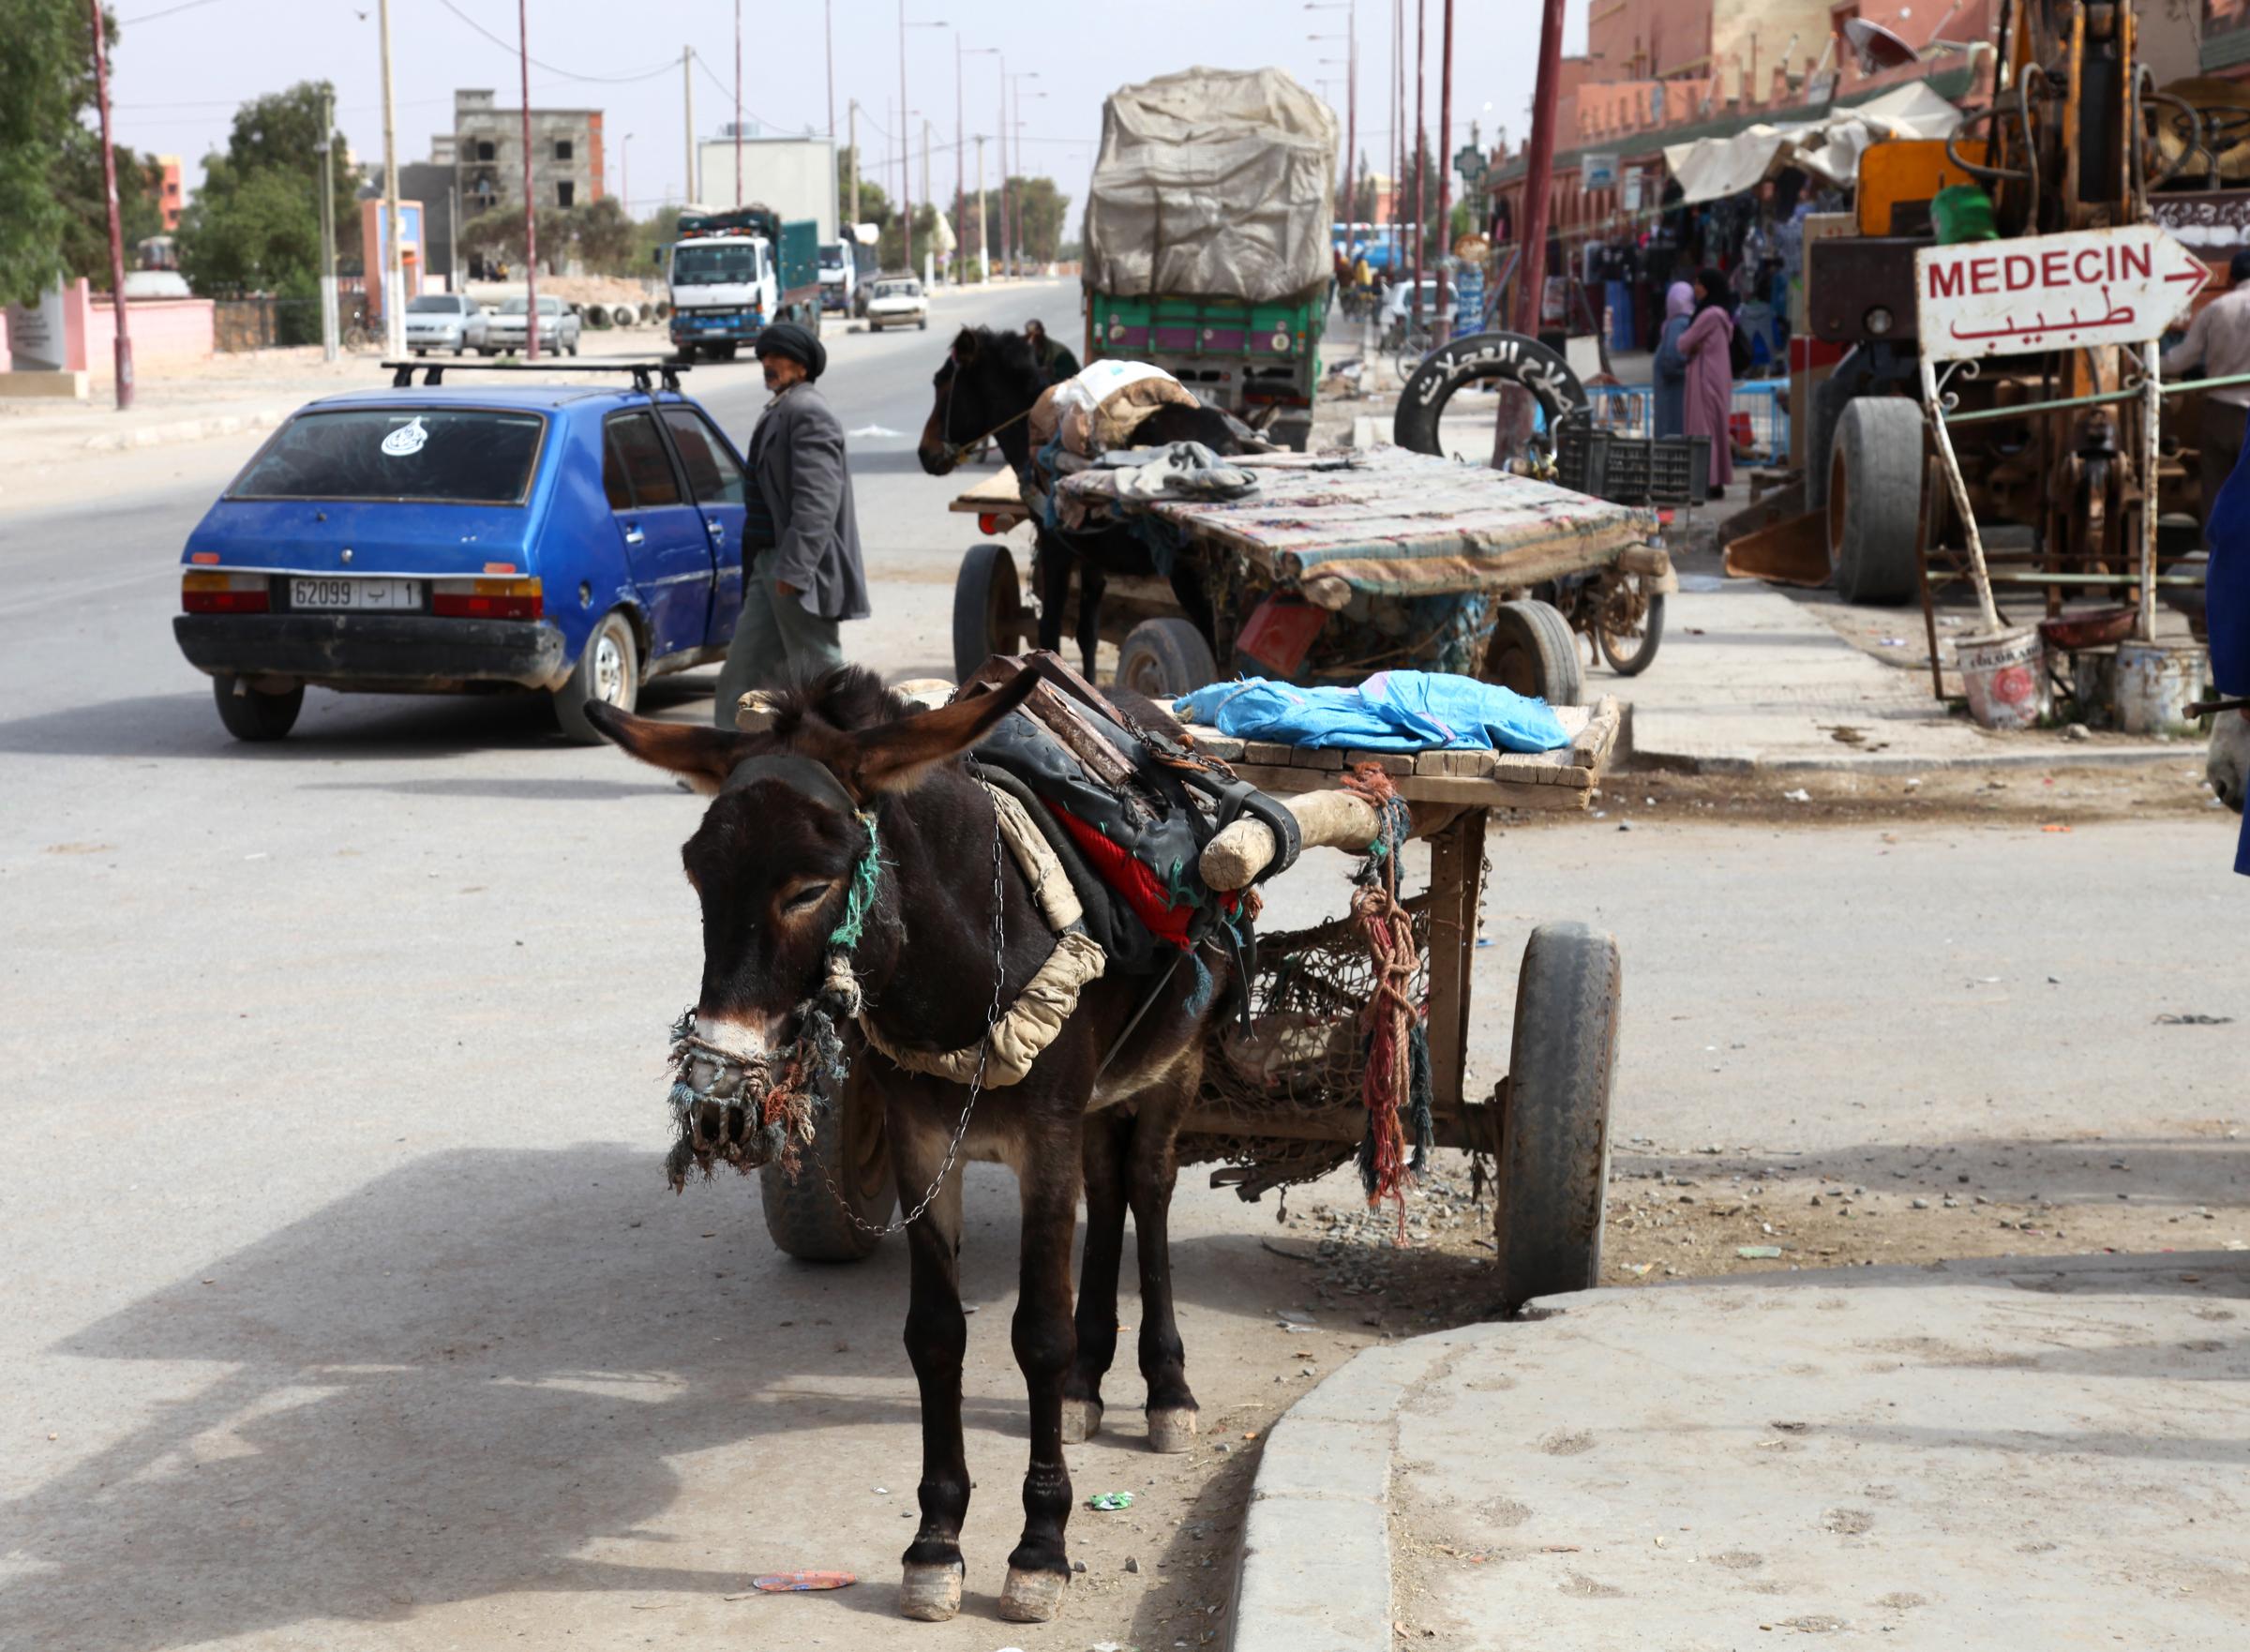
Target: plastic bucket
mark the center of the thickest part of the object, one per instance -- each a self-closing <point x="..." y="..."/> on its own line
<point x="2005" y="678"/>
<point x="2156" y="680"/>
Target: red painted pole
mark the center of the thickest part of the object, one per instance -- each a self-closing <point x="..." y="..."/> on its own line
<point x="530" y="201"/>
<point x="1421" y="158"/>
<point x="1539" y="175"/>
<point x="109" y="180"/>
<point x="1445" y="173"/>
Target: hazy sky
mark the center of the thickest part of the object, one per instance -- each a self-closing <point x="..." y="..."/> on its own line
<point x="183" y="67"/>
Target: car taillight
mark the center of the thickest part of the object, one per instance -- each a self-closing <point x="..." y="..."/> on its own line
<point x="223" y="593"/>
<point x="487" y="599"/>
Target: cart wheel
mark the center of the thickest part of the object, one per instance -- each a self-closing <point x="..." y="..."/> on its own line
<point x="1875" y="499"/>
<point x="1554" y="1133"/>
<point x="988" y="609"/>
<point x="809" y="1220"/>
<point x="1165" y="658"/>
<point x="1534" y="653"/>
<point x="1628" y="640"/>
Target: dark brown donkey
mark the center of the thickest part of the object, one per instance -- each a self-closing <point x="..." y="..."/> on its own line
<point x="772" y="863"/>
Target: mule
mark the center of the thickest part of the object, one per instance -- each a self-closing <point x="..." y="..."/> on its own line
<point x="772" y="863"/>
<point x="986" y="387"/>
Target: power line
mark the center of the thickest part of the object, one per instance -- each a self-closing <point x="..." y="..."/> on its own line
<point x="168" y="10"/>
<point x="512" y="48"/>
<point x="725" y="90"/>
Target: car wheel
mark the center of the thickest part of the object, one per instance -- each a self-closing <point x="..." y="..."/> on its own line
<point x="923" y="323"/>
<point x="421" y="353"/>
<point x="461" y="350"/>
<point x="251" y="716"/>
<point x="608" y="670"/>
<point x="724" y="352"/>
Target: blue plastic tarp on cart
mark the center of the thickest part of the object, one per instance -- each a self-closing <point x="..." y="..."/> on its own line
<point x="1391" y="711"/>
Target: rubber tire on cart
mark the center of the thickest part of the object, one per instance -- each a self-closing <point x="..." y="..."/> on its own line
<point x="620" y="667"/>
<point x="988" y="609"/>
<point x="809" y="1220"/>
<point x="1534" y="651"/>
<point x="1165" y="658"/>
<point x="1874" y="505"/>
<point x="1555" y="1131"/>
<point x="1652" y="638"/>
<point x="252" y="715"/>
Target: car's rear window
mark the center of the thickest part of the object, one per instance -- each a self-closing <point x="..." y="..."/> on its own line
<point x="457" y="456"/>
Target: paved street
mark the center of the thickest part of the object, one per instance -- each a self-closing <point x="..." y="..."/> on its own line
<point x="347" y="1306"/>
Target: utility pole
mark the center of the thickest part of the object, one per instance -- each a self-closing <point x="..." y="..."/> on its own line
<point x="531" y="203"/>
<point x="394" y="283"/>
<point x="693" y="188"/>
<point x="906" y="217"/>
<point x="738" y="102"/>
<point x="853" y="113"/>
<point x="828" y="33"/>
<point x="1445" y="174"/>
<point x="1538" y="175"/>
<point x="1421" y="154"/>
<point x="323" y="150"/>
<point x="109" y="180"/>
<point x="984" y="250"/>
<point x="1007" y="236"/>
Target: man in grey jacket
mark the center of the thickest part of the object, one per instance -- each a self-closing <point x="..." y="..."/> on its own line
<point x="805" y="575"/>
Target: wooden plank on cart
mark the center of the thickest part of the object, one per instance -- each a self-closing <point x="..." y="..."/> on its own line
<point x="995" y="495"/>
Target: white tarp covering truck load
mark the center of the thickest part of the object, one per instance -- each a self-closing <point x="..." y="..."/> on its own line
<point x="1206" y="239"/>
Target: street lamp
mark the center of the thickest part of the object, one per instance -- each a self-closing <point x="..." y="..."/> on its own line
<point x="1011" y="142"/>
<point x="625" y="175"/>
<point x="1351" y="94"/>
<point x="906" y="183"/>
<point x="961" y="142"/>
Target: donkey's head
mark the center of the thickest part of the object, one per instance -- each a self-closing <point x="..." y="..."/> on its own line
<point x="786" y="866"/>
<point x="984" y="386"/>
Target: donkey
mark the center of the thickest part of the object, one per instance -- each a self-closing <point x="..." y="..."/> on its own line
<point x="984" y="387"/>
<point x="772" y="863"/>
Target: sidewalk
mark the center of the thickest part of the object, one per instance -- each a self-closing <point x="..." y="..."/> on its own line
<point x="2002" y="1454"/>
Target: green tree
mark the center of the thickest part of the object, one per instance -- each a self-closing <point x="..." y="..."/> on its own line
<point x="78" y="185"/>
<point x="605" y="238"/>
<point x="875" y="202"/>
<point x="1042" y="209"/>
<point x="255" y="225"/>
<point x="49" y="217"/>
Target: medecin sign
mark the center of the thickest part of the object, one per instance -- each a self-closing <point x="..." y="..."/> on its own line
<point x="2067" y="292"/>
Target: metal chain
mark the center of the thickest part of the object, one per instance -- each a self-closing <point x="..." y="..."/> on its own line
<point x="976" y="1083"/>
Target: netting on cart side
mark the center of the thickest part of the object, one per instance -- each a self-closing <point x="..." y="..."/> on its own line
<point x="1304" y="1058"/>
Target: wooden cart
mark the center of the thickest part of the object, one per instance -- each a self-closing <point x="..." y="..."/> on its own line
<point x="1363" y="536"/>
<point x="1545" y="1124"/>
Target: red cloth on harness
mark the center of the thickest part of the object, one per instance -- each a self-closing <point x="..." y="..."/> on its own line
<point x="1151" y="903"/>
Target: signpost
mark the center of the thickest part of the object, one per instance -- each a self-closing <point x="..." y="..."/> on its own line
<point x="2082" y="290"/>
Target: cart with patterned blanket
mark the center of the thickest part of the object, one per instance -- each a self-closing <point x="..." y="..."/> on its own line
<point x="1338" y="565"/>
<point x="1287" y="1095"/>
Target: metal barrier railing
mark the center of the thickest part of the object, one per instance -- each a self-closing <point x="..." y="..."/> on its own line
<point x="1757" y="416"/>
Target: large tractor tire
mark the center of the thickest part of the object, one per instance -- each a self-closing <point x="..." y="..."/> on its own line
<point x="1874" y="508"/>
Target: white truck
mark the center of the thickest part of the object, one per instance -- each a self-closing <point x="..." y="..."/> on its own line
<point x="845" y="268"/>
<point x="733" y="273"/>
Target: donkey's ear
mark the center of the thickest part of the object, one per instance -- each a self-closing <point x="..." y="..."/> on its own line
<point x="896" y="757"/>
<point x="702" y="756"/>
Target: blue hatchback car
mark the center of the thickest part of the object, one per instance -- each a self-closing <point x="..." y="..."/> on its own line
<point x="512" y="532"/>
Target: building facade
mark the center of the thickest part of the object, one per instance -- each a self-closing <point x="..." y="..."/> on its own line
<point x="485" y="147"/>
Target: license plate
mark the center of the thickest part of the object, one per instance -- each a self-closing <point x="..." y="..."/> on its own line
<point x="354" y="594"/>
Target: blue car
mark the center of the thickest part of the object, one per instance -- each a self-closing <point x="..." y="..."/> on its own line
<point x="512" y="532"/>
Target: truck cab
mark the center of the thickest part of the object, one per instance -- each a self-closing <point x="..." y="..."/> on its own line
<point x="732" y="273"/>
<point x="839" y="277"/>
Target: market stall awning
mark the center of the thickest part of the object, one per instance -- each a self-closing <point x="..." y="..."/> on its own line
<point x="1712" y="169"/>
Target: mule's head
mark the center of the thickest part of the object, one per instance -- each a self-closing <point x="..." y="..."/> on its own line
<point x="986" y="380"/>
<point x="791" y="823"/>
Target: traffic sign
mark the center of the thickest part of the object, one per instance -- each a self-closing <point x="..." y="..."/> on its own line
<point x="2068" y="292"/>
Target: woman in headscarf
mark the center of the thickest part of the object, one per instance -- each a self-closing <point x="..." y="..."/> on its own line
<point x="1671" y="366"/>
<point x="1708" y="347"/>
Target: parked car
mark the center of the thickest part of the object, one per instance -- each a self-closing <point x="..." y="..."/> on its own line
<point x="497" y="534"/>
<point x="504" y="327"/>
<point x="897" y="301"/>
<point x="446" y="320"/>
<point x="1397" y="309"/>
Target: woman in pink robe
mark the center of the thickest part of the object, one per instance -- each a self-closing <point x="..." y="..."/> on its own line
<point x="1709" y="346"/>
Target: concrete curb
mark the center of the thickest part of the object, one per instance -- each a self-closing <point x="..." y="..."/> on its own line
<point x="1315" y="1574"/>
<point x="2068" y="757"/>
<point x="183" y="430"/>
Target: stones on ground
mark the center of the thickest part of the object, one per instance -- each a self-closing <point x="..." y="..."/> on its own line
<point x="1132" y="1564"/>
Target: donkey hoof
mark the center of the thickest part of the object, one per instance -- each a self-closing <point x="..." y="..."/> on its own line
<point x="1173" y="1430"/>
<point x="1032" y="1597"/>
<point x="930" y="1594"/>
<point x="1081" y="1420"/>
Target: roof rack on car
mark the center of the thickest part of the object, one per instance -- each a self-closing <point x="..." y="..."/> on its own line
<point x="645" y="373"/>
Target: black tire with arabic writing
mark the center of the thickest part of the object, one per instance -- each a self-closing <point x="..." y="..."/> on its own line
<point x="1480" y="357"/>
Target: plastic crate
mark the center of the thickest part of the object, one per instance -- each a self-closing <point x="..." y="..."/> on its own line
<point x="1679" y="471"/>
<point x="1580" y="455"/>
